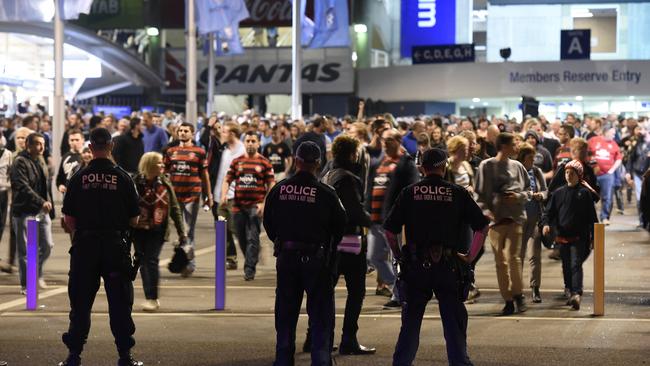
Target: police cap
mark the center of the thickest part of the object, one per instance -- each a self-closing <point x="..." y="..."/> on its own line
<point x="100" y="136"/>
<point x="434" y="158"/>
<point x="308" y="152"/>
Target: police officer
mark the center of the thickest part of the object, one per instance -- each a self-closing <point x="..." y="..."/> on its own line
<point x="100" y="205"/>
<point x="433" y="212"/>
<point x="305" y="220"/>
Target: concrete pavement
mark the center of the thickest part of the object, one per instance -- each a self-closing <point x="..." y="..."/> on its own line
<point x="186" y="331"/>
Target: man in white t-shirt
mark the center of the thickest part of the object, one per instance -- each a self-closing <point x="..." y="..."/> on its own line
<point x="230" y="133"/>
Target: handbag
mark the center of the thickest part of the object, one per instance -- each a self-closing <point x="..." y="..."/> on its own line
<point x="350" y="244"/>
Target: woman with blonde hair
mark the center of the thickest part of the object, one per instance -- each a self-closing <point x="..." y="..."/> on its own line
<point x="157" y="204"/>
<point x="459" y="170"/>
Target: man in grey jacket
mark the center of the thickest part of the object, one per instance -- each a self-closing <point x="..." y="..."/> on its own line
<point x="502" y="187"/>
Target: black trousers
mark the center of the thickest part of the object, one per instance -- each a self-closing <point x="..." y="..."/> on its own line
<point x="417" y="285"/>
<point x="148" y="244"/>
<point x="93" y="256"/>
<point x="573" y="255"/>
<point x="4" y="204"/>
<point x="353" y="268"/>
<point x="298" y="273"/>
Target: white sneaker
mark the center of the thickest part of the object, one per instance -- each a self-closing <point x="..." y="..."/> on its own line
<point x="42" y="284"/>
<point x="151" y="305"/>
<point x="23" y="291"/>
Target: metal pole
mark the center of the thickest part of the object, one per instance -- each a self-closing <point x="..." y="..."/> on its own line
<point x="296" y="63"/>
<point x="191" y="112"/>
<point x="220" y="265"/>
<point x="599" y="269"/>
<point x="58" y="116"/>
<point x="32" y="265"/>
<point x="210" y="74"/>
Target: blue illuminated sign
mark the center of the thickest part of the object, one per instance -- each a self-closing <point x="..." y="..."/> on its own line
<point x="116" y="110"/>
<point x="427" y="22"/>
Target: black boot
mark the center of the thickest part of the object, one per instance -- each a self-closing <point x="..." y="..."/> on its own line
<point x="521" y="303"/>
<point x="350" y="346"/>
<point x="72" y="360"/>
<point x="127" y="360"/>
<point x="537" y="297"/>
<point x="509" y="309"/>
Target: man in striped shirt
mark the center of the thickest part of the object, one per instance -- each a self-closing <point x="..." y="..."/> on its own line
<point x="187" y="167"/>
<point x="253" y="177"/>
<point x="395" y="171"/>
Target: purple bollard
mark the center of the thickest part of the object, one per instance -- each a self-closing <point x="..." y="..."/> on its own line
<point x="220" y="265"/>
<point x="32" y="264"/>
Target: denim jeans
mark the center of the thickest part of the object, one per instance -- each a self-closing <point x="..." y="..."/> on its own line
<point x="148" y="244"/>
<point x="573" y="255"/>
<point x="606" y="183"/>
<point x="638" y="185"/>
<point x="45" y="243"/>
<point x="247" y="226"/>
<point x="190" y="213"/>
<point x="380" y="256"/>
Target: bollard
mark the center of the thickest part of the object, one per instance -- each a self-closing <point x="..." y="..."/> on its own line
<point x="220" y="265"/>
<point x="32" y="264"/>
<point x="599" y="269"/>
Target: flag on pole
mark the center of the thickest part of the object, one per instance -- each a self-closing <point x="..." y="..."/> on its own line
<point x="306" y="25"/>
<point x="330" y="24"/>
<point x="329" y="27"/>
<point x="72" y="8"/>
<point x="222" y="17"/>
<point x="26" y="10"/>
<point x="41" y="10"/>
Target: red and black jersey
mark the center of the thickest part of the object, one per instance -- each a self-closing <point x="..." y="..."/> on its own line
<point x="379" y="187"/>
<point x="185" y="164"/>
<point x="251" y="177"/>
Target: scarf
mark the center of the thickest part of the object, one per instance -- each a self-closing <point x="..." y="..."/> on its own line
<point x="153" y="203"/>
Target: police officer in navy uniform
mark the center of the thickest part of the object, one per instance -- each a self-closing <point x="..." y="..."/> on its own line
<point x="433" y="212"/>
<point x="100" y="206"/>
<point x="305" y="220"/>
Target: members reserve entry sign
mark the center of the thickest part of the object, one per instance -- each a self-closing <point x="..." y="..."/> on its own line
<point x="426" y="23"/>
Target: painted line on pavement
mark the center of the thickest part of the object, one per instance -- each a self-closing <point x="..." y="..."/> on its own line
<point x="22" y="300"/>
<point x="338" y="288"/>
<point x="586" y="318"/>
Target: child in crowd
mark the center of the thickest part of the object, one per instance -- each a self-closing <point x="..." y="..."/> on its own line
<point x="572" y="213"/>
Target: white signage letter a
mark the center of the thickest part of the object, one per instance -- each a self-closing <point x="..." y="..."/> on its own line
<point x="575" y="46"/>
<point x="426" y="13"/>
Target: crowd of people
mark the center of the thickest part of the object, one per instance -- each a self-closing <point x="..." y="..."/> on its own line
<point x="530" y="177"/>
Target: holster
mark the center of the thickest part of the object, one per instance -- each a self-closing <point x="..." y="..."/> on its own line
<point x="464" y="276"/>
<point x="130" y="265"/>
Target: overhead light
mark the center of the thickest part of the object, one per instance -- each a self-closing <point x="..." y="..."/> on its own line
<point x="476" y="100"/>
<point x="471" y="107"/>
<point x="485" y="104"/>
<point x="579" y="98"/>
<point x="152" y="31"/>
<point x="360" y="28"/>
